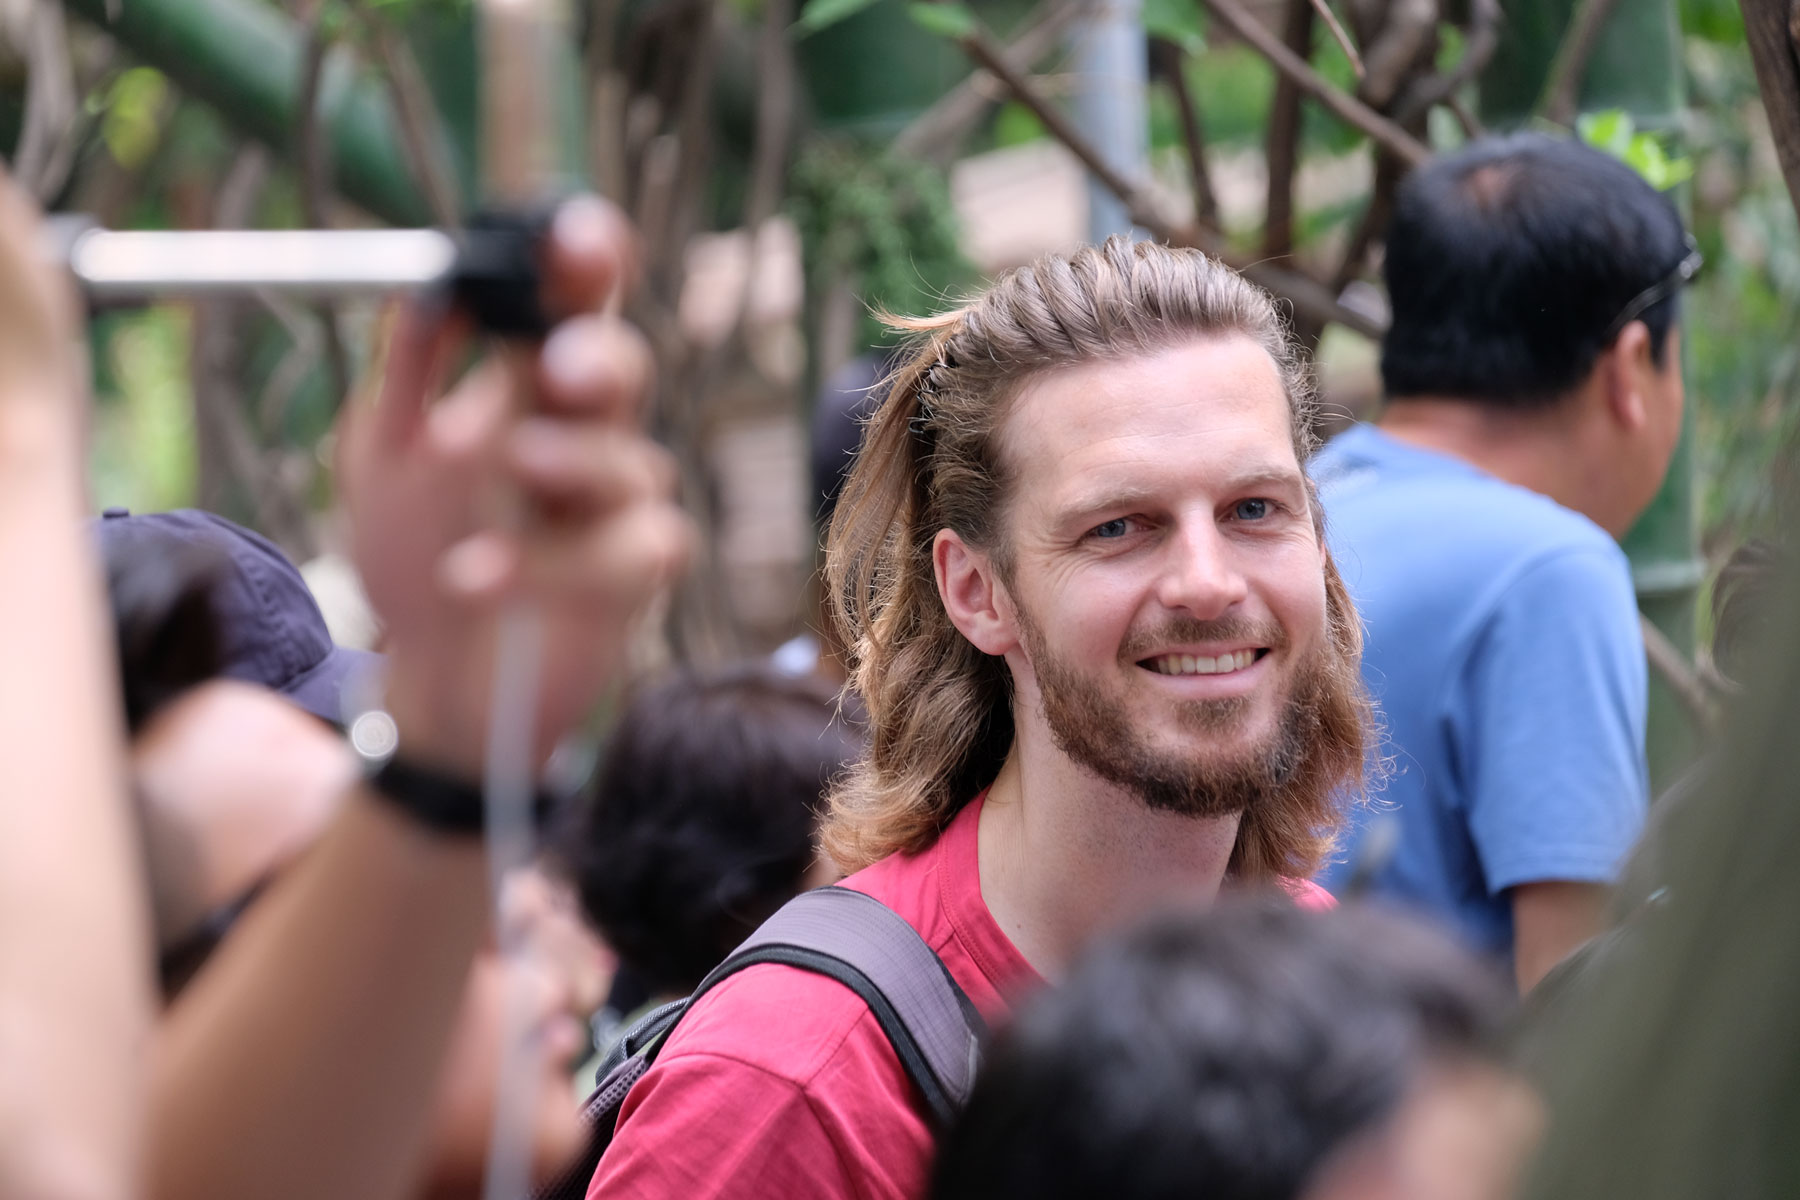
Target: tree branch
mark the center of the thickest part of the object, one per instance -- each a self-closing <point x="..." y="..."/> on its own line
<point x="1344" y="106"/>
<point x="53" y="123"/>
<point x="1282" y="146"/>
<point x="1306" y="294"/>
<point x="1401" y="48"/>
<point x="1667" y="660"/>
<point x="421" y="130"/>
<point x="1478" y="50"/>
<point x="1772" y="39"/>
<point x="315" y="181"/>
<point x="1343" y="39"/>
<point x="1167" y="60"/>
<point x="935" y="133"/>
<point x="1561" y="95"/>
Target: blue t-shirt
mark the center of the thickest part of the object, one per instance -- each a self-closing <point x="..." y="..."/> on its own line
<point x="1504" y="652"/>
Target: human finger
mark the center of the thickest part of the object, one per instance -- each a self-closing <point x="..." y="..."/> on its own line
<point x="617" y="563"/>
<point x="39" y="315"/>
<point x="423" y="338"/>
<point x="576" y="468"/>
<point x="590" y="255"/>
<point x="597" y="366"/>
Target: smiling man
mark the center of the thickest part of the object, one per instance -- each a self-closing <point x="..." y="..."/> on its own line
<point x="1108" y="667"/>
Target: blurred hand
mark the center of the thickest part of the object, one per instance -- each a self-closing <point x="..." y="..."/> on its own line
<point x="530" y="480"/>
<point x="39" y="319"/>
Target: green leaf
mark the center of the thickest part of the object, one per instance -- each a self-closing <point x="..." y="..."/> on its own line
<point x="1176" y="21"/>
<point x="1610" y="131"/>
<point x="947" y="19"/>
<point x="1614" y="132"/>
<point x="822" y="14"/>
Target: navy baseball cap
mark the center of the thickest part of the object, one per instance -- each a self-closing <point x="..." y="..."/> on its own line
<point x="270" y="629"/>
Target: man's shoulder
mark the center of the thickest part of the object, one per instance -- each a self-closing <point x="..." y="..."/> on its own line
<point x="782" y="1021"/>
<point x="1391" y="507"/>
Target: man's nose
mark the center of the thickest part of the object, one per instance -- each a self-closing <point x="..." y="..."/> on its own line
<point x="1200" y="574"/>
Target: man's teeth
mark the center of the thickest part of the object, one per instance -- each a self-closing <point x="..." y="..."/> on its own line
<point x="1200" y="664"/>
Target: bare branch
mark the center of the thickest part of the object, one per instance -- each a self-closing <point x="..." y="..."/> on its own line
<point x="230" y="454"/>
<point x="1345" y="107"/>
<point x="774" y="116"/>
<point x="1479" y="45"/>
<point x="53" y="122"/>
<point x="606" y="91"/>
<point x="1561" y="95"/>
<point x="1343" y="39"/>
<point x="1401" y="49"/>
<point x="1775" y="50"/>
<point x="1167" y="60"/>
<point x="935" y="133"/>
<point x="1305" y="293"/>
<point x="313" y="148"/>
<point x="1282" y="144"/>
<point x="421" y="129"/>
<point x="1667" y="660"/>
<point x="315" y="180"/>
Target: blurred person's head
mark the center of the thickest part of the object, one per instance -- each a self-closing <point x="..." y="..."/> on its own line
<point x="553" y="971"/>
<point x="234" y="783"/>
<point x="1257" y="1052"/>
<point x="1744" y="609"/>
<point x="266" y="628"/>
<point x="1080" y="515"/>
<point x="1539" y="279"/>
<point x="702" y="821"/>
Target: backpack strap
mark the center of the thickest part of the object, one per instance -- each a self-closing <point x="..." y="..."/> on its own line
<point x="844" y="935"/>
<point x="863" y="944"/>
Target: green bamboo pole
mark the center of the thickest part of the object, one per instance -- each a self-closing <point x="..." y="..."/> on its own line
<point x="1635" y="66"/>
<point x="245" y="59"/>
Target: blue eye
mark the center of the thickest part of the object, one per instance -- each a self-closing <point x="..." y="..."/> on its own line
<point x="1251" y="510"/>
<point x="1118" y="527"/>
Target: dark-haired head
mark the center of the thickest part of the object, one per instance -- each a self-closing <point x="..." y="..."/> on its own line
<point x="1510" y="263"/>
<point x="1233" y="1055"/>
<point x="165" y="622"/>
<point x="702" y="820"/>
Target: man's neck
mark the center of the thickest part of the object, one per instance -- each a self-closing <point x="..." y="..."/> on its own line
<point x="1537" y="450"/>
<point x="1065" y="856"/>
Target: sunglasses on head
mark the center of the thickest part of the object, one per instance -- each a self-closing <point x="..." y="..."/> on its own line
<point x="1662" y="289"/>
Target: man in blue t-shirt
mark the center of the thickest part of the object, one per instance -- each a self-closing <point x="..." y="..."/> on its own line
<point x="1534" y="399"/>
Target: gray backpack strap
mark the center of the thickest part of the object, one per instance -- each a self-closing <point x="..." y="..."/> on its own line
<point x="850" y="937"/>
<point x="870" y="949"/>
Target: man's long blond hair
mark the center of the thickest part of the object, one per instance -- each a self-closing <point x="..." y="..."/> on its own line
<point x="940" y="711"/>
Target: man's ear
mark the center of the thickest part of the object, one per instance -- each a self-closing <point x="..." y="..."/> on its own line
<point x="1625" y="367"/>
<point x="973" y="595"/>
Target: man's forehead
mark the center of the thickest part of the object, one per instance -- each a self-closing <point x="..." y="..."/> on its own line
<point x="1214" y="402"/>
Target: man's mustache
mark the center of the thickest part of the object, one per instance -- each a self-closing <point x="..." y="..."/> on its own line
<point x="1186" y="631"/>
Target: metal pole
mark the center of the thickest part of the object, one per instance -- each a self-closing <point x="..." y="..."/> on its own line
<point x="1111" y="62"/>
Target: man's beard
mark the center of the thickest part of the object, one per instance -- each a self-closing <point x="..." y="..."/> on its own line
<point x="1096" y="732"/>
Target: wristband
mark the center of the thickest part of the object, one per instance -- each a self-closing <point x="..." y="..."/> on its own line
<point x="436" y="799"/>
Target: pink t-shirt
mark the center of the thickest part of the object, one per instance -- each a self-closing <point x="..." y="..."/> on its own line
<point x="780" y="1084"/>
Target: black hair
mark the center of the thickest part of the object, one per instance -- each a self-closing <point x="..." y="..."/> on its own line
<point x="701" y="821"/>
<point x="166" y="629"/>
<point x="1508" y="262"/>
<point x="1223" y="1055"/>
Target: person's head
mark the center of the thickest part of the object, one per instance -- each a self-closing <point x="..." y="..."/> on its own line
<point x="1744" y="595"/>
<point x="1081" y="514"/>
<point x="1540" y="278"/>
<point x="1256" y="1052"/>
<point x="558" y="958"/>
<point x="266" y="628"/>
<point x="234" y="783"/>
<point x="703" y="815"/>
